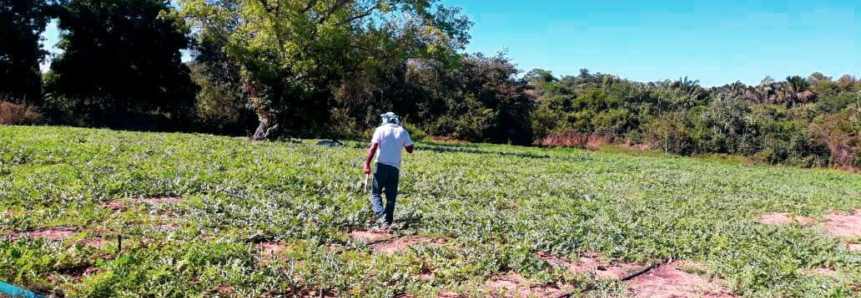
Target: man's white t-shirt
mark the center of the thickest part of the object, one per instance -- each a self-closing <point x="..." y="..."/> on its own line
<point x="392" y="138"/>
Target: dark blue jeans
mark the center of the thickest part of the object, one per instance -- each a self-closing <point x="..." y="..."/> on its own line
<point x="385" y="179"/>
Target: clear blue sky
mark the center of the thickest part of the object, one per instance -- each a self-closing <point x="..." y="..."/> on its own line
<point x="716" y="42"/>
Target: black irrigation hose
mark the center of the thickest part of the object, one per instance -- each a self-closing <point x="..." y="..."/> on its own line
<point x="591" y="287"/>
<point x="641" y="272"/>
<point x="588" y="288"/>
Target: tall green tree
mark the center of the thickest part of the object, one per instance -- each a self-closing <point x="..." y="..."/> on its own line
<point x="538" y="75"/>
<point x="21" y="24"/>
<point x="293" y="54"/>
<point x="122" y="65"/>
<point x="222" y="103"/>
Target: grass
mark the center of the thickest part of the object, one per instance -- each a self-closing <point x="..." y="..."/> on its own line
<point x="497" y="206"/>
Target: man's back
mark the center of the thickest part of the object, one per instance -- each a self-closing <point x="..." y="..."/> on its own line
<point x="392" y="138"/>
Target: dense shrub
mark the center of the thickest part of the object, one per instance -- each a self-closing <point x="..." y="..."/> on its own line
<point x="842" y="134"/>
<point x="776" y="122"/>
<point x="19" y="114"/>
<point x="669" y="132"/>
<point x="416" y="133"/>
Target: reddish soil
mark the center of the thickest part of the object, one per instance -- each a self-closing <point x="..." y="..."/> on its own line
<point x="592" y="263"/>
<point x="162" y="200"/>
<point x="670" y="281"/>
<point x="52" y="234"/>
<point x="784" y="219"/>
<point x="853" y="247"/>
<point x="447" y="294"/>
<point x="370" y="236"/>
<point x="511" y="285"/>
<point x="844" y="225"/>
<point x="271" y="248"/>
<point x="424" y="276"/>
<point x="515" y="286"/>
<point x="115" y="205"/>
<point x="76" y="274"/>
<point x="96" y="242"/>
<point x="822" y="271"/>
<point x="404" y="244"/>
<point x="224" y="289"/>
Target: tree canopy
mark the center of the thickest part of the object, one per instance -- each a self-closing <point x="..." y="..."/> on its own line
<point x="121" y="62"/>
<point x="294" y="53"/>
<point x="21" y="23"/>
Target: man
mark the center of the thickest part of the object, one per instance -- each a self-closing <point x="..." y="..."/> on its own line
<point x="388" y="139"/>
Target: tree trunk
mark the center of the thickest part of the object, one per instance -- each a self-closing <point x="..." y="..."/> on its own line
<point x="266" y="118"/>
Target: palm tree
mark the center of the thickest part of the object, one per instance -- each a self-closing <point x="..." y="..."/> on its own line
<point x="797" y="84"/>
<point x="796" y="89"/>
<point x="766" y="89"/>
<point x="691" y="87"/>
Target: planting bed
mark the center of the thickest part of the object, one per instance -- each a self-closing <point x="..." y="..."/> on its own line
<point x="99" y="213"/>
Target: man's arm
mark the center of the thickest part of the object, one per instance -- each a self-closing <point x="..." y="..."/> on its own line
<point x="408" y="143"/>
<point x="371" y="153"/>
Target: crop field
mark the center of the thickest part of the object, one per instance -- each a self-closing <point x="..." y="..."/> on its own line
<point x="99" y="213"/>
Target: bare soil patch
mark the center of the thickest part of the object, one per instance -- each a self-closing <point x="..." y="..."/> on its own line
<point x="404" y="244"/>
<point x="509" y="285"/>
<point x="853" y="247"/>
<point x="162" y="200"/>
<point x="76" y="274"/>
<point x="272" y="248"/>
<point x="96" y="242"/>
<point x="424" y="276"/>
<point x="671" y="281"/>
<point x="593" y="263"/>
<point x="516" y="286"/>
<point x="52" y="234"/>
<point x="224" y="289"/>
<point x="822" y="271"/>
<point x="370" y="236"/>
<point x="844" y="225"/>
<point x="115" y="205"/>
<point x="785" y="219"/>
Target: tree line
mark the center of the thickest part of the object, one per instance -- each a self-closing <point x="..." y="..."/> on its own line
<point x="326" y="68"/>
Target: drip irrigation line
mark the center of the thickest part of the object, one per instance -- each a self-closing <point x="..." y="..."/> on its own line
<point x="590" y="287"/>
<point x="641" y="272"/>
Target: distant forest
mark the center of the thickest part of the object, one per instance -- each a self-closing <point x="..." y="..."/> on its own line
<point x="328" y="68"/>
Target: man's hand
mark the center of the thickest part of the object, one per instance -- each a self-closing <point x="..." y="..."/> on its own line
<point x="367" y="169"/>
